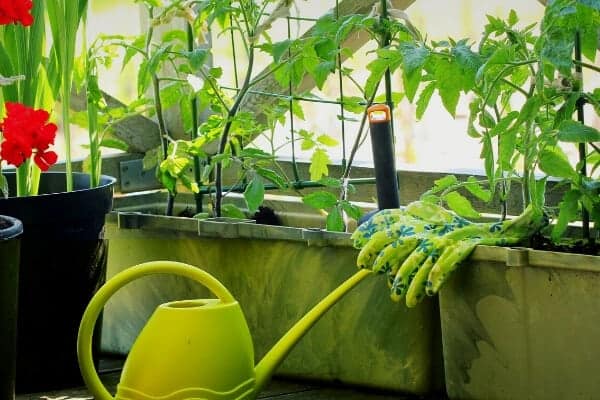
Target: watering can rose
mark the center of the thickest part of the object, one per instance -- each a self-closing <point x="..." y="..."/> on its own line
<point x="26" y="132"/>
<point x="16" y="11"/>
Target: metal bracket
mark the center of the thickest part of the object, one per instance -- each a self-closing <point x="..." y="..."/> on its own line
<point x="134" y="178"/>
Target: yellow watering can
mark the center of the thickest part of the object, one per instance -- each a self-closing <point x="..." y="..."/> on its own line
<point x="192" y="349"/>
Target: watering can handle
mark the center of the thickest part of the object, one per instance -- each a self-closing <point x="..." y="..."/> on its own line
<point x="86" y="328"/>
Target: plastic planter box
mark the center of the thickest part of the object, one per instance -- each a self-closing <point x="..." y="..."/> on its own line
<point x="522" y="324"/>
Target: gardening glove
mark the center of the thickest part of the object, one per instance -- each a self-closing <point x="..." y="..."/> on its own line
<point x="420" y="245"/>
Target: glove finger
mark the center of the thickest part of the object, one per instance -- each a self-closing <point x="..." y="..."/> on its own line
<point x="407" y="270"/>
<point x="371" y="249"/>
<point x="393" y="254"/>
<point x="447" y="263"/>
<point x="416" y="288"/>
<point x="380" y="239"/>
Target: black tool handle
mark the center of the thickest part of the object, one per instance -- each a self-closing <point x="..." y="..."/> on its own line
<point x="382" y="143"/>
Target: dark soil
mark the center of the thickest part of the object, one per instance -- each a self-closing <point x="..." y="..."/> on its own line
<point x="575" y="246"/>
<point x="266" y="216"/>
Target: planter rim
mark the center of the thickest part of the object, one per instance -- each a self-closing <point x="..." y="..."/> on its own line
<point x="54" y="205"/>
<point x="12" y="231"/>
<point x="527" y="257"/>
<point x="105" y="181"/>
<point x="228" y="228"/>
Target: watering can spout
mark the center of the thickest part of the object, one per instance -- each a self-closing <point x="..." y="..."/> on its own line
<point x="269" y="363"/>
<point x="210" y="354"/>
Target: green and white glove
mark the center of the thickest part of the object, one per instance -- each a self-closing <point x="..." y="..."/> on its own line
<point x="420" y="245"/>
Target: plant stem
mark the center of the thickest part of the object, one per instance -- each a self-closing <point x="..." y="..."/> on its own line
<point x="194" y="133"/>
<point x="585" y="216"/>
<point x="357" y="141"/>
<point x="164" y="136"/>
<point x="225" y="135"/>
<point x="579" y="63"/>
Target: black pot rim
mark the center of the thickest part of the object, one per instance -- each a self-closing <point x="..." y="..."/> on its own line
<point x="105" y="181"/>
<point x="12" y="231"/>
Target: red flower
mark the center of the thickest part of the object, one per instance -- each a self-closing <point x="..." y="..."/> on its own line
<point x="26" y="132"/>
<point x="45" y="160"/>
<point x="15" y="152"/>
<point x="13" y="11"/>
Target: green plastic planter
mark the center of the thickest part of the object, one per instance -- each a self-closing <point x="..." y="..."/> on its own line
<point x="278" y="273"/>
<point x="10" y="233"/>
<point x="522" y="324"/>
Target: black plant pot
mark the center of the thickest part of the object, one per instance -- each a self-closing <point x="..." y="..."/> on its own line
<point x="63" y="263"/>
<point x="10" y="232"/>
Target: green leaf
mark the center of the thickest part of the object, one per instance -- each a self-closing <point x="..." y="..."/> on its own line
<point x="414" y="58"/>
<point x="529" y="110"/>
<point x="507" y="146"/>
<point x="503" y="124"/>
<point x="321" y="71"/>
<point x="151" y="159"/>
<point x="575" y="132"/>
<point x="469" y="63"/>
<point x="449" y="83"/>
<point x="594" y="4"/>
<point x="327" y="140"/>
<point x="175" y="165"/>
<point x="424" y="99"/>
<point x="174" y="35"/>
<point x="318" y="164"/>
<point x="132" y="50"/>
<point x="297" y="110"/>
<point x="461" y="205"/>
<point x="569" y="211"/>
<point x="396" y="98"/>
<point x="272" y="176"/>
<point x="354" y="104"/>
<point x="554" y="162"/>
<point x="170" y="95"/>
<point x="512" y="18"/>
<point x="113" y="142"/>
<point x="330" y="182"/>
<point x="197" y="58"/>
<point x="443" y="184"/>
<point x="320" y="200"/>
<point x="254" y="194"/>
<point x="352" y="210"/>
<point x="538" y="193"/>
<point x="487" y="154"/>
<point x="167" y="180"/>
<point x="386" y="58"/>
<point x="231" y="211"/>
<point x="257" y="154"/>
<point x="474" y="187"/>
<point x="558" y="48"/>
<point x="3" y="186"/>
<point x="335" y="221"/>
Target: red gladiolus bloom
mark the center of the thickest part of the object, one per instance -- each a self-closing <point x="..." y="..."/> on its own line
<point x="15" y="152"/>
<point x="26" y="132"/>
<point x="13" y="11"/>
<point x="45" y="160"/>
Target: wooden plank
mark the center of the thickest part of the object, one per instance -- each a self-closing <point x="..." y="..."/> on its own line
<point x="278" y="390"/>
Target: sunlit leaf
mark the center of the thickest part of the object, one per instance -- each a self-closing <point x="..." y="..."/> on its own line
<point x="254" y="193"/>
<point x="320" y="199"/>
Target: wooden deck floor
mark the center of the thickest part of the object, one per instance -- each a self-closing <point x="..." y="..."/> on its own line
<point x="277" y="390"/>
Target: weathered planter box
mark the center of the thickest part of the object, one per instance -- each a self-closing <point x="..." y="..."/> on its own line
<point x="522" y="324"/>
<point x="277" y="274"/>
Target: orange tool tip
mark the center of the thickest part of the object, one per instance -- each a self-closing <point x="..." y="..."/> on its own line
<point x="379" y="113"/>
